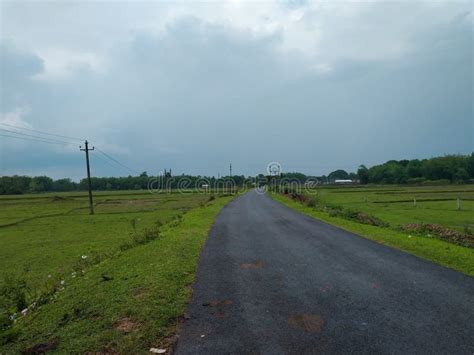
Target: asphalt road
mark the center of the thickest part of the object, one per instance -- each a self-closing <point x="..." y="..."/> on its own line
<point x="274" y="281"/>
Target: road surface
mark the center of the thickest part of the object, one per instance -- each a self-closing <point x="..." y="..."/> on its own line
<point x="273" y="281"/>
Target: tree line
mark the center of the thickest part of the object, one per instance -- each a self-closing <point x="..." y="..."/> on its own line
<point x="14" y="185"/>
<point x="446" y="169"/>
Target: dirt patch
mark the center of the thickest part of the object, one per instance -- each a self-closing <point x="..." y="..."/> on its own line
<point x="307" y="322"/>
<point x="256" y="265"/>
<point x="42" y="347"/>
<point x="126" y="325"/>
<point x="140" y="293"/>
<point x="60" y="199"/>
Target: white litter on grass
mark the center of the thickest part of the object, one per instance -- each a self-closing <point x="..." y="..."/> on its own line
<point x="24" y="311"/>
<point x="157" y="351"/>
<point x="49" y="276"/>
<point x="84" y="257"/>
<point x="62" y="282"/>
<point x="409" y="236"/>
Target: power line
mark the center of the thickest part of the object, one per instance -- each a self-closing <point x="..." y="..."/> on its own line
<point x="116" y="161"/>
<point x="107" y="161"/>
<point x="41" y="132"/>
<point x="39" y="137"/>
<point x="34" y="140"/>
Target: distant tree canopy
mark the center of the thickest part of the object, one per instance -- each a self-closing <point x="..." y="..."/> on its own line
<point x="338" y="175"/>
<point x="10" y="185"/>
<point x="450" y="168"/>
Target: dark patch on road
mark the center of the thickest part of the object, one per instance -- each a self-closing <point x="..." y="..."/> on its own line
<point x="256" y="265"/>
<point x="308" y="322"/>
<point x="298" y="285"/>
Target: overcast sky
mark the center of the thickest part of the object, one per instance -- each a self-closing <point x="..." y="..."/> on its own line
<point x="193" y="86"/>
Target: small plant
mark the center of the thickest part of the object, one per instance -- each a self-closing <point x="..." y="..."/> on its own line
<point x="15" y="291"/>
<point x="312" y="202"/>
<point x="133" y="222"/>
<point x="146" y="236"/>
<point x="467" y="229"/>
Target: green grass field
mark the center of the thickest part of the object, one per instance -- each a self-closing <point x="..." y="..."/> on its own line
<point x="394" y="206"/>
<point x="115" y="281"/>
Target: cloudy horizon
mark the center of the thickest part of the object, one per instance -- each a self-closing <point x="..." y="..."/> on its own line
<point x="316" y="86"/>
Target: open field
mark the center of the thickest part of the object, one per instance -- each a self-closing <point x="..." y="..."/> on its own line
<point x="75" y="265"/>
<point x="47" y="234"/>
<point x="395" y="204"/>
<point x="392" y="207"/>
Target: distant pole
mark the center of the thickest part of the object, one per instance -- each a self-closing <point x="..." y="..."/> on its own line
<point x="458" y="204"/>
<point x="230" y="170"/>
<point x="414" y="201"/>
<point x="89" y="183"/>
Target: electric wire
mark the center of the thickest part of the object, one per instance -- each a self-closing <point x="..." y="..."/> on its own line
<point x="107" y="162"/>
<point x="35" y="140"/>
<point x="41" y="132"/>
<point x="38" y="137"/>
<point x="116" y="161"/>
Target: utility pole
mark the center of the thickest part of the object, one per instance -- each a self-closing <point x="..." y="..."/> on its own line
<point x="230" y="170"/>
<point x="86" y="149"/>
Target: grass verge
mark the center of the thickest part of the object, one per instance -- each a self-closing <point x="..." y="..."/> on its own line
<point x="438" y="251"/>
<point x="125" y="304"/>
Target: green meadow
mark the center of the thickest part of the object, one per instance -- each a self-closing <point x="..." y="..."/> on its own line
<point x="398" y="205"/>
<point x="112" y="282"/>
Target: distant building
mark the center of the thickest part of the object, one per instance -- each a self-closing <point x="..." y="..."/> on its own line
<point x="343" y="181"/>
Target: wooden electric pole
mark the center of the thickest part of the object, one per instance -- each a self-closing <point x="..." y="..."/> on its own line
<point x="89" y="183"/>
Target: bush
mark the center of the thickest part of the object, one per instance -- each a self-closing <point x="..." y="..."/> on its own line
<point x="312" y="202"/>
<point x="450" y="235"/>
<point x="145" y="236"/>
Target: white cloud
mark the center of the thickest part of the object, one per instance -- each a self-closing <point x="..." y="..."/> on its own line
<point x="15" y="117"/>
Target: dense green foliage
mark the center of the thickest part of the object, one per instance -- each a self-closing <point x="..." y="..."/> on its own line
<point x="450" y="168"/>
<point x="15" y="185"/>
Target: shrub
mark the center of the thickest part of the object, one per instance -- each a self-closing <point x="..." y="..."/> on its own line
<point x="450" y="235"/>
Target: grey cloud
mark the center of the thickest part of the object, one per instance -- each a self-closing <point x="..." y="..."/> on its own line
<point x="200" y="95"/>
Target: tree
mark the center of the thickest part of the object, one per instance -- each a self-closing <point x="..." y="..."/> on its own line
<point x="41" y="184"/>
<point x="338" y="175"/>
<point x="363" y="174"/>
